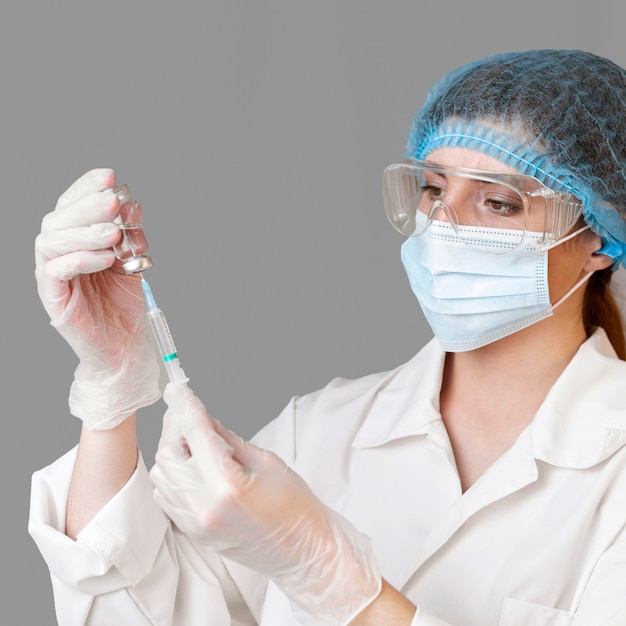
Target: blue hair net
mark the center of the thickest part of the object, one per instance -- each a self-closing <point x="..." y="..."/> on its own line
<point x="557" y="115"/>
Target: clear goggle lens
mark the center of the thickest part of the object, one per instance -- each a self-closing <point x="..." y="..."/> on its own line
<point x="416" y="193"/>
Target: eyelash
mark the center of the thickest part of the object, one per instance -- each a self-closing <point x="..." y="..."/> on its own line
<point x="496" y="204"/>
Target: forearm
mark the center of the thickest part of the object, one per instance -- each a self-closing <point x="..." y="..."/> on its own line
<point x="390" y="607"/>
<point x="105" y="461"/>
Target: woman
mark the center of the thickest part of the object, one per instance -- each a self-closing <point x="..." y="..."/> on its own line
<point x="489" y="471"/>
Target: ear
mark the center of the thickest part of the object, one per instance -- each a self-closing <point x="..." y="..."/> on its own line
<point x="598" y="262"/>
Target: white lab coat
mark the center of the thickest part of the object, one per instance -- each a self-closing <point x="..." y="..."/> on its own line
<point x="539" y="539"/>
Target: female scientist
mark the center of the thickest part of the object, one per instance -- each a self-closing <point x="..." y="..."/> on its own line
<point x="481" y="483"/>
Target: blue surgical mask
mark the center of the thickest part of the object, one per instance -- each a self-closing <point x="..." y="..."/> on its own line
<point x="477" y="285"/>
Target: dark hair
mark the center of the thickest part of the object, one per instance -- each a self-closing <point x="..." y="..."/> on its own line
<point x="600" y="309"/>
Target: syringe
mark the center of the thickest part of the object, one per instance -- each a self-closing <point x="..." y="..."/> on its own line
<point x="163" y="337"/>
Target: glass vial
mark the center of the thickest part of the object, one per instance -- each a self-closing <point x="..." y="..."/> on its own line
<point x="132" y="248"/>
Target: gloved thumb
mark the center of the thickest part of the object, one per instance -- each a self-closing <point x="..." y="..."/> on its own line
<point x="175" y="394"/>
<point x="187" y="421"/>
<point x="175" y="397"/>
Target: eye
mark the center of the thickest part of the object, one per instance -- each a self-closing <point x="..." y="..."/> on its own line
<point x="433" y="186"/>
<point x="503" y="201"/>
<point x="432" y="191"/>
<point x="503" y="207"/>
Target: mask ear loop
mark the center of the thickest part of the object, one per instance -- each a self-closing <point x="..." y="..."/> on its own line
<point x="567" y="237"/>
<point x="562" y="299"/>
<point x="583" y="280"/>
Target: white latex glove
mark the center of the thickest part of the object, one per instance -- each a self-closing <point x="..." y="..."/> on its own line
<point x="98" y="309"/>
<point x="247" y="504"/>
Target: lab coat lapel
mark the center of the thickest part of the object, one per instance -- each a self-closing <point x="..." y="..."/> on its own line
<point x="566" y="431"/>
<point x="403" y="437"/>
<point x="412" y="518"/>
<point x="513" y="471"/>
<point x="388" y="503"/>
<point x="386" y="493"/>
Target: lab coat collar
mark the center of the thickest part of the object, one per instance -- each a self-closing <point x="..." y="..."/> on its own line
<point x="394" y="413"/>
<point x="581" y="422"/>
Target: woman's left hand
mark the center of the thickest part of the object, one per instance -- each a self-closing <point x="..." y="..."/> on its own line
<point x="245" y="503"/>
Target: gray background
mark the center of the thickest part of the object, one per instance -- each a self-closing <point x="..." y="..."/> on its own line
<point x="255" y="134"/>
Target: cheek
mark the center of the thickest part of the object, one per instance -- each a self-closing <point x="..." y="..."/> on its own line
<point x="565" y="268"/>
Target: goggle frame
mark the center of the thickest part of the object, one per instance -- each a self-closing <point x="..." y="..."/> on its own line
<point x="561" y="210"/>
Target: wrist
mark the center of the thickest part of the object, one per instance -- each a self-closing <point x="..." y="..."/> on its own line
<point x="105" y="461"/>
<point x="340" y="582"/>
<point x="389" y="607"/>
<point x="104" y="399"/>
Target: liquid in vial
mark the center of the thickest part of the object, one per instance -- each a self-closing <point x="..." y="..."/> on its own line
<point x="133" y="246"/>
<point x="133" y="242"/>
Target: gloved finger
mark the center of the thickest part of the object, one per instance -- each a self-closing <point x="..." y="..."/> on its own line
<point x="244" y="452"/>
<point x="175" y="485"/>
<point x="186" y="413"/>
<point x="249" y="456"/>
<point x="65" y="267"/>
<point x="173" y="395"/>
<point x="219" y="467"/>
<point x="177" y="497"/>
<point x="175" y="475"/>
<point x="228" y="435"/>
<point x="178" y="514"/>
<point x="53" y="284"/>
<point x="94" y="208"/>
<point x="181" y="402"/>
<point x="232" y="459"/>
<point x="52" y="244"/>
<point x="171" y="434"/>
<point x="193" y="420"/>
<point x="94" y="180"/>
<point x="172" y="450"/>
<point x="197" y="494"/>
<point x="180" y="398"/>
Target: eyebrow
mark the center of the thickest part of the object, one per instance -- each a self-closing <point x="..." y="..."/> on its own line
<point x="449" y="171"/>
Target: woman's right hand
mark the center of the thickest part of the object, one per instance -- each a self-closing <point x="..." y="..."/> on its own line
<point x="246" y="503"/>
<point x="98" y="309"/>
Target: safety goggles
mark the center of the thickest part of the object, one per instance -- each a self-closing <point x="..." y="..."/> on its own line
<point x="417" y="192"/>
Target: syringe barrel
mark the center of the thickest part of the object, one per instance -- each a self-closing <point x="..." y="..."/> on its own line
<point x="165" y="345"/>
<point x="175" y="373"/>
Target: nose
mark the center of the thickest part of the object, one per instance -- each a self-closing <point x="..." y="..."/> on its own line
<point x="457" y="205"/>
<point x="443" y="212"/>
